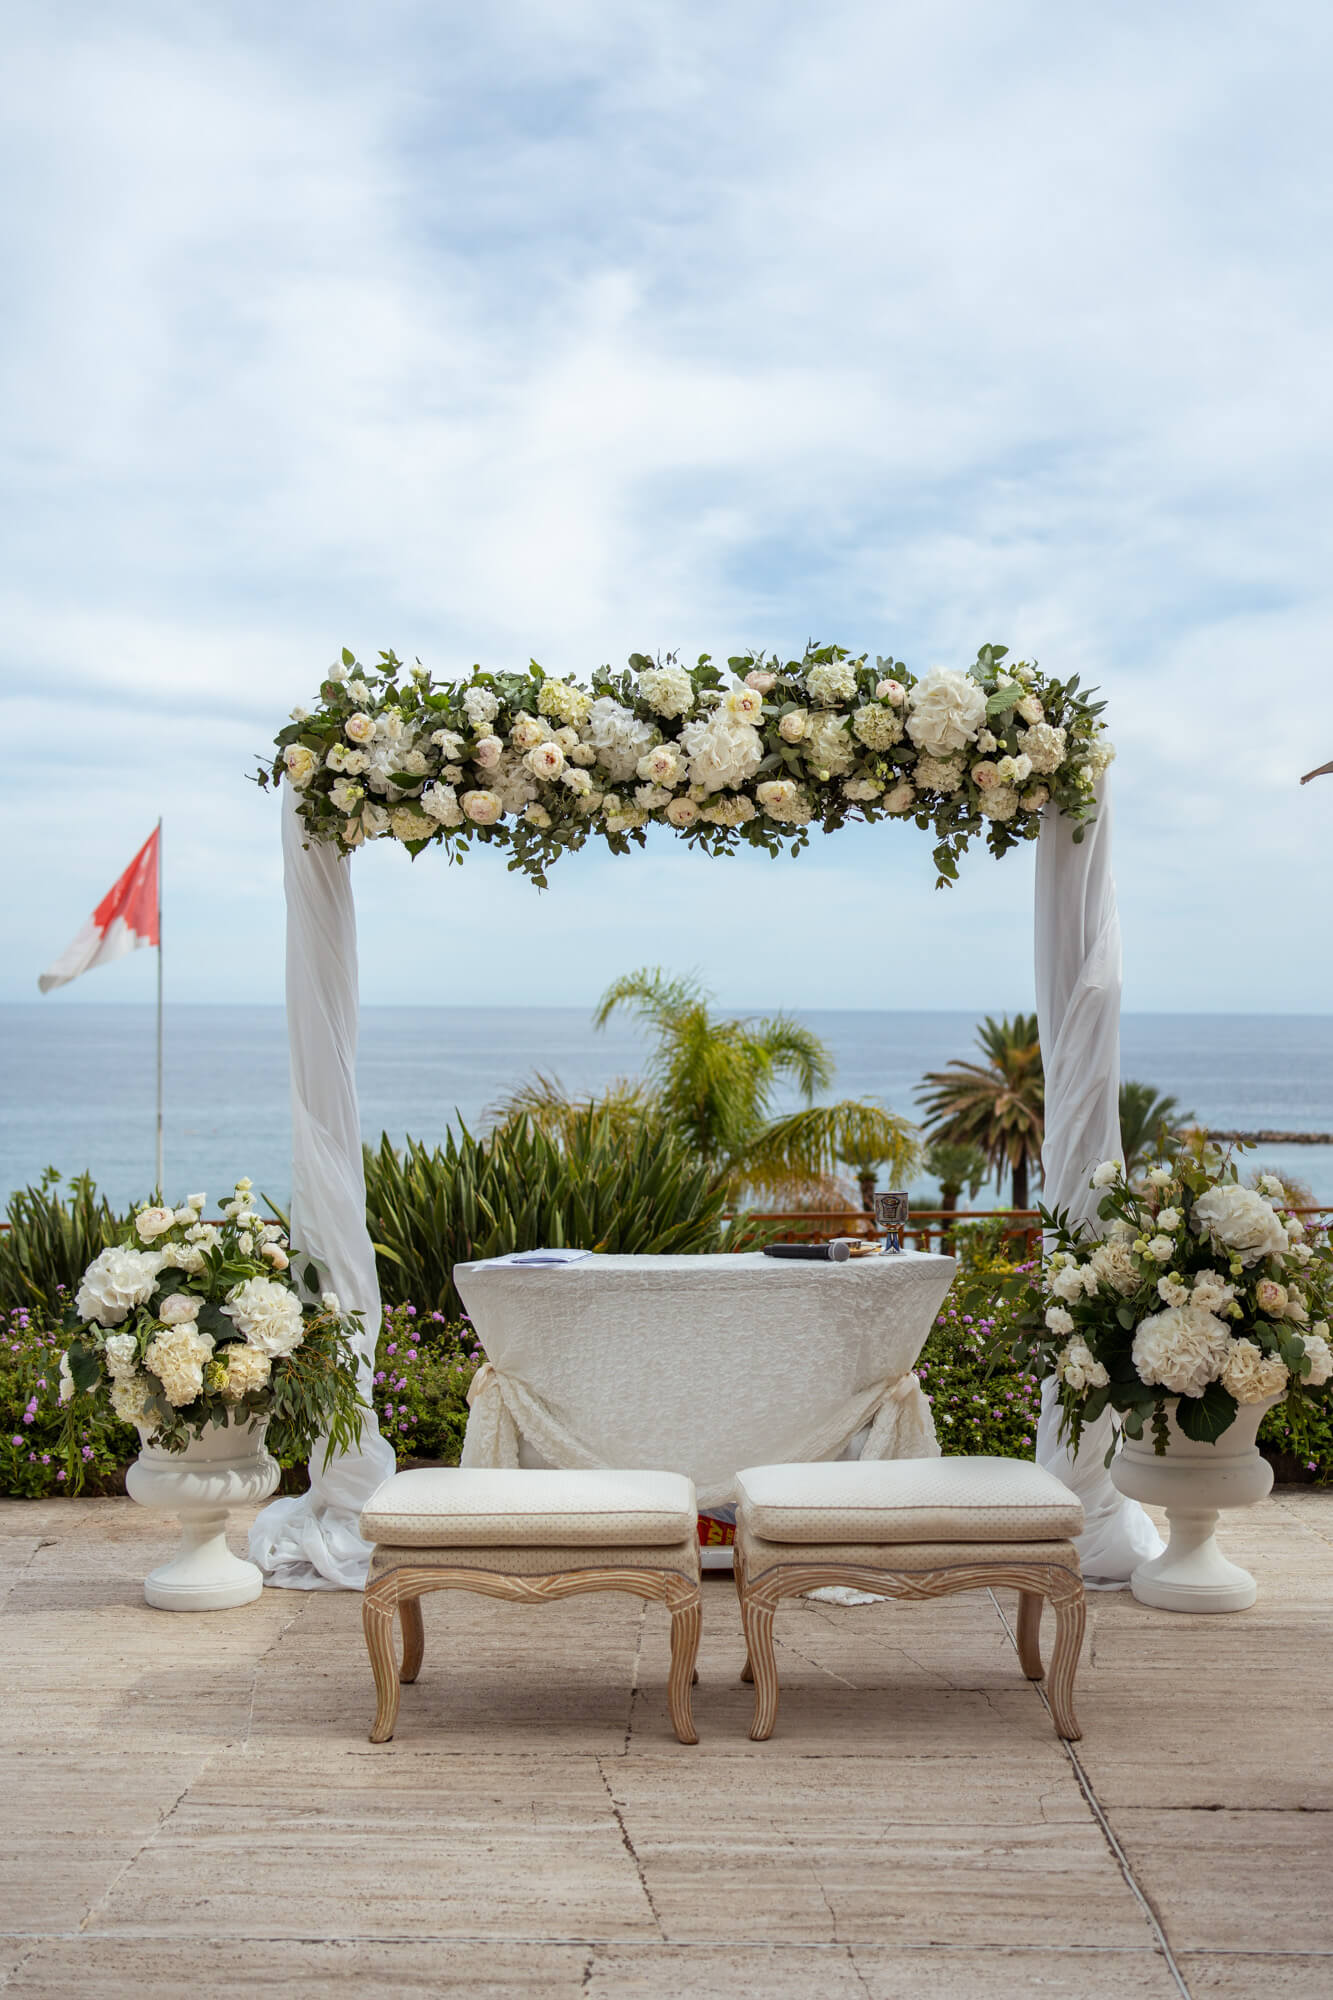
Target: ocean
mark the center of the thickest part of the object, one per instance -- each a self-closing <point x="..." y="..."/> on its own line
<point x="76" y="1080"/>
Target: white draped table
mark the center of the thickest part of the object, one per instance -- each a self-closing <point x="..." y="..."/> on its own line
<point x="701" y="1365"/>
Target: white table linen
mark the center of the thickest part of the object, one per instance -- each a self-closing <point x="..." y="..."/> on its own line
<point x="701" y="1365"/>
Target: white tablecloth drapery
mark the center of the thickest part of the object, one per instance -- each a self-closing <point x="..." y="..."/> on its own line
<point x="701" y="1365"/>
<point x="1078" y="1013"/>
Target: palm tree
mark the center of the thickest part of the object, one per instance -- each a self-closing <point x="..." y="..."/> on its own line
<point x="1143" y="1115"/>
<point x="716" y="1080"/>
<point x="998" y="1105"/>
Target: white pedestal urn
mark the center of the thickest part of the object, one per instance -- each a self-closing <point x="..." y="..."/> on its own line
<point x="1193" y="1482"/>
<point x="227" y="1467"/>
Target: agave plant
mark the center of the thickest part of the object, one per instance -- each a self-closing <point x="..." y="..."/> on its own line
<point x="52" y="1238"/>
<point x="596" y="1186"/>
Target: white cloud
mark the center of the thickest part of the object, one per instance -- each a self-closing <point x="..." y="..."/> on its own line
<point x="569" y="330"/>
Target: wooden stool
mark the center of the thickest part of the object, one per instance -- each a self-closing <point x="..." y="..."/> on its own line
<point x="911" y="1527"/>
<point x="531" y="1536"/>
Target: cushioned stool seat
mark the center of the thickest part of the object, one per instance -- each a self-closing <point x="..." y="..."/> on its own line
<point x="532" y="1536"/>
<point x="911" y="1528"/>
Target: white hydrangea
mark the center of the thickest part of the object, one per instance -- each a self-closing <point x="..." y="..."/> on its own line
<point x="268" y="1314"/>
<point x="723" y="753"/>
<point x="1320" y="1356"/>
<point x="1212" y="1292"/>
<point x="122" y="1356"/>
<point x="115" y="1283"/>
<point x="1113" y="1264"/>
<point x="785" y="801"/>
<point x="902" y="798"/>
<point x="827" y="746"/>
<point x="511" y="783"/>
<point x="1252" y="1376"/>
<point x="935" y="774"/>
<point x="564" y="702"/>
<point x="858" y="790"/>
<point x="1044" y="746"/>
<point x="129" y="1400"/>
<point x="440" y="802"/>
<point x="177" y="1356"/>
<point x="1060" y="1321"/>
<point x="1182" y="1349"/>
<point x="480" y="706"/>
<point x="878" y="728"/>
<point x="618" y="737"/>
<point x="652" y="797"/>
<point x="1241" y="1221"/>
<point x="248" y="1369"/>
<point x="1000" y="802"/>
<point x="831" y="682"/>
<point x="667" y="690"/>
<point x="409" y="824"/>
<point x="946" y="710"/>
<point x="729" y="812"/>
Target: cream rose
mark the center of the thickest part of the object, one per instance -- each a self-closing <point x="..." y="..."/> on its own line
<point x="359" y="728"/>
<point x="891" y="691"/>
<point x="763" y="681"/>
<point x="1270" y="1297"/>
<point x="1079" y="1367"/>
<point x="662" y="765"/>
<point x="178" y="1308"/>
<point x="527" y="732"/>
<point x="1320" y="1357"/>
<point x="545" y="761"/>
<point x="793" y="725"/>
<point x="487" y="752"/>
<point x="984" y="776"/>
<point x="682" y="812"/>
<point x="945" y="711"/>
<point x="151" y="1222"/>
<point x="1114" y="1265"/>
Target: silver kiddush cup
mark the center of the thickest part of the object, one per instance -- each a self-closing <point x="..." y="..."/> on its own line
<point x="891" y="1213"/>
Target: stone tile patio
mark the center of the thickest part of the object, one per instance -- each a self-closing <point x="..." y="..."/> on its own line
<point x="193" y="1807"/>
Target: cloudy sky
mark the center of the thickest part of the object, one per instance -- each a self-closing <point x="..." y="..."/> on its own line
<point x="568" y="329"/>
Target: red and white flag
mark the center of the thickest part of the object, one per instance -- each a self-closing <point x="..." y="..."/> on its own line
<point x="125" y="918"/>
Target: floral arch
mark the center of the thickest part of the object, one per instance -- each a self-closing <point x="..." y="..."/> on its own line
<point x="755" y="755"/>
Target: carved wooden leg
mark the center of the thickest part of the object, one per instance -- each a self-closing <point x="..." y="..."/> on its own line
<point x="758" y="1620"/>
<point x="1070" y="1616"/>
<point x="1029" y="1629"/>
<point x="738" y="1578"/>
<point x="414" y="1638"/>
<point x="377" y="1609"/>
<point x="686" y="1620"/>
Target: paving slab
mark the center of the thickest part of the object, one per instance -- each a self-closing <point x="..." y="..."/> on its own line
<point x="1246" y="1975"/>
<point x="1226" y="1881"/>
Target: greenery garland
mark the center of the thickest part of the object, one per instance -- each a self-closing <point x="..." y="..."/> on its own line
<point x="757" y="754"/>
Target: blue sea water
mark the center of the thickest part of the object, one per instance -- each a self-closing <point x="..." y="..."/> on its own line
<point x="77" y="1080"/>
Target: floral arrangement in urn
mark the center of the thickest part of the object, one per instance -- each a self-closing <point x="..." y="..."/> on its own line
<point x="1201" y="1294"/>
<point x="190" y="1324"/>
<point x="757" y="753"/>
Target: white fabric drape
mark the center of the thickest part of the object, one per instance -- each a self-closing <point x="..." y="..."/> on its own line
<point x="312" y="1542"/>
<point x="700" y="1364"/>
<point x="1078" y="1013"/>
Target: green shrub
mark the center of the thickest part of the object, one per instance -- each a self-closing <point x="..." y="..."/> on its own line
<point x="597" y="1188"/>
<point x="32" y="1450"/>
<point x="51" y="1240"/>
<point x="423" y="1367"/>
<point x="978" y="1408"/>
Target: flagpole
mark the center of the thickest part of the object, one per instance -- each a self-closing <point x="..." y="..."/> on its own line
<point x="160" y="1195"/>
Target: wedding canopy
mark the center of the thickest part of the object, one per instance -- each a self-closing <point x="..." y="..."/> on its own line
<point x="840" y="739"/>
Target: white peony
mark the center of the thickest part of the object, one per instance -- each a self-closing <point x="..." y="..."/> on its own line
<point x="945" y="711"/>
<point x="1270" y="1297"/>
<point x="682" y="812"/>
<point x="151" y="1222"/>
<point x="482" y="808"/>
<point x="662" y="765"/>
<point x="668" y="691"/>
<point x="743" y="703"/>
<point x="1106" y="1174"/>
<point x="891" y="691"/>
<point x="1030" y="709"/>
<point x="545" y="761"/>
<point x="1320" y="1357"/>
<point x="763" y="680"/>
<point x="1252" y="1376"/>
<point x="359" y="728"/>
<point x="487" y="752"/>
<point x="831" y="682"/>
<point x="268" y="1314"/>
<point x="115" y="1283"/>
<point x="1182" y="1349"/>
<point x="985" y="775"/>
<point x="527" y="732"/>
<point x="785" y="801"/>
<point x="1241" y="1221"/>
<point x="301" y="764"/>
<point x="177" y="1309"/>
